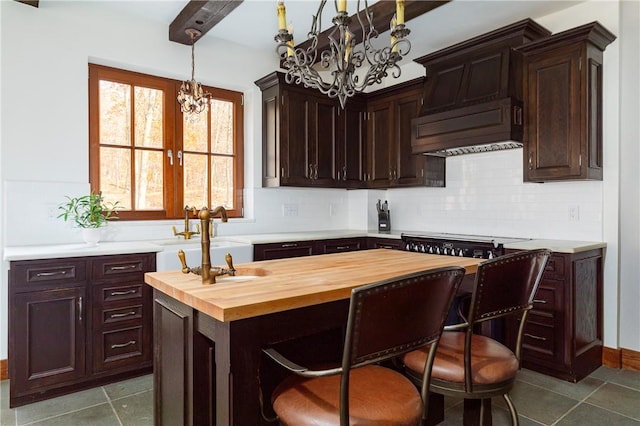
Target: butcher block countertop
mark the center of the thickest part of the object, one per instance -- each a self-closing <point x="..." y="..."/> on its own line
<point x="266" y="287"/>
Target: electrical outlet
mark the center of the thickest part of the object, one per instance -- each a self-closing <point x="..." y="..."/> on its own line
<point x="574" y="213"/>
<point x="289" y="210"/>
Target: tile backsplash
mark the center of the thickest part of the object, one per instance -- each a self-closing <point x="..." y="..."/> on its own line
<point x="484" y="195"/>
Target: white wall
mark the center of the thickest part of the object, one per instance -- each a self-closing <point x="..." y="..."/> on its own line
<point x="43" y="153"/>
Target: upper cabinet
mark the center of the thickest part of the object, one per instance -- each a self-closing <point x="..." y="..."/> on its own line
<point x="299" y="135"/>
<point x="390" y="162"/>
<point x="308" y="140"/>
<point x="563" y="105"/>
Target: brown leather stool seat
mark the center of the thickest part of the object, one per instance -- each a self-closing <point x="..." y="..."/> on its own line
<point x="473" y="366"/>
<point x="377" y="396"/>
<point x="491" y="361"/>
<point x="386" y="319"/>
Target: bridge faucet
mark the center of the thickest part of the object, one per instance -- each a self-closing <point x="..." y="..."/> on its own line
<point x="208" y="273"/>
<point x="187" y="233"/>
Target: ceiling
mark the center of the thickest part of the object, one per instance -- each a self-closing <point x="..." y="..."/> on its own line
<point x="254" y="22"/>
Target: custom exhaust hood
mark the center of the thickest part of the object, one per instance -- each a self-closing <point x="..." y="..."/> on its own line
<point x="473" y="94"/>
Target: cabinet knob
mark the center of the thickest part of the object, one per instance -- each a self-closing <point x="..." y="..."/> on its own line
<point x="531" y="160"/>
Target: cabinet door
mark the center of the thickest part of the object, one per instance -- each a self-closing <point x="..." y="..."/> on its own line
<point x="351" y="144"/>
<point x="295" y="140"/>
<point x="407" y="168"/>
<point x="388" y="243"/>
<point x="553" y="135"/>
<point x="324" y="130"/>
<point x="379" y="135"/>
<point x="48" y="339"/>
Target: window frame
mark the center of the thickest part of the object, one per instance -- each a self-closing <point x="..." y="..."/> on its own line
<point x="172" y="134"/>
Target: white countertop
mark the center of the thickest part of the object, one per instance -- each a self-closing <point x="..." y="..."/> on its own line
<point x="108" y="248"/>
<point x="78" y="250"/>
<point x="558" y="246"/>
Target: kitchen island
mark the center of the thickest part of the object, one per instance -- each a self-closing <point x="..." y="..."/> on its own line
<point x="209" y="368"/>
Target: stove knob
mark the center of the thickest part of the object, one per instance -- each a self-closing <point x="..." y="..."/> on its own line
<point x="490" y="255"/>
<point x="431" y="249"/>
<point x="461" y="253"/>
<point x="437" y="250"/>
<point x="445" y="251"/>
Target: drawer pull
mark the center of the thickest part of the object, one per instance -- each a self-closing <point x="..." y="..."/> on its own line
<point x="289" y="245"/>
<point x="542" y="302"/>
<point x="123" y="345"/>
<point x="385" y="247"/>
<point x="122" y="268"/>
<point x="51" y="274"/>
<point x="542" y="339"/>
<point x="124" y="293"/>
<point x="124" y="314"/>
<point x="342" y="247"/>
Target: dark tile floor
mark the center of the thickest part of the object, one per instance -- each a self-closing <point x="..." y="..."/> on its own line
<point x="606" y="397"/>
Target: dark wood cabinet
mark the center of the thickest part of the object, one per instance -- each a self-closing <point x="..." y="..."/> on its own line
<point x="563" y="105"/>
<point x="563" y="333"/>
<point x="300" y="135"/>
<point x="309" y="140"/>
<point x="339" y="245"/>
<point x="76" y="323"/>
<point x="288" y="249"/>
<point x="390" y="161"/>
<point x="351" y="152"/>
<point x="388" y="243"/>
<point x="284" y="250"/>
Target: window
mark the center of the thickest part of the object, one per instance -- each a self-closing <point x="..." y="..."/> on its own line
<point x="145" y="154"/>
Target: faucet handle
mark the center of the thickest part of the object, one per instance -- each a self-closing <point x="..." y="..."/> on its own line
<point x="183" y="261"/>
<point x="229" y="260"/>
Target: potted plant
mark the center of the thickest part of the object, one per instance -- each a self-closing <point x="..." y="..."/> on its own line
<point x="89" y="213"/>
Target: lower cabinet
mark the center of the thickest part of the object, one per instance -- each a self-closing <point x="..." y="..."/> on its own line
<point x="308" y="248"/>
<point x="563" y="333"/>
<point x="75" y="323"/>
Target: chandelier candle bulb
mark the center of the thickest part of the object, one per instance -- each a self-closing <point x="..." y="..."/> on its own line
<point x="282" y="16"/>
<point x="342" y="5"/>
<point x="347" y="50"/>
<point x="400" y="11"/>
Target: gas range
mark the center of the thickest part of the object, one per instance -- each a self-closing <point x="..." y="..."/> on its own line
<point x="479" y="246"/>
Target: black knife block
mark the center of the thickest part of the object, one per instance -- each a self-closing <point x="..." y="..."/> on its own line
<point x="384" y="221"/>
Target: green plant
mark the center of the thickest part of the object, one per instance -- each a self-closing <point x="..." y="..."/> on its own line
<point x="88" y="211"/>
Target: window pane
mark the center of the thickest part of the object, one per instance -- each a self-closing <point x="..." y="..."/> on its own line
<point x="195" y="180"/>
<point x="194" y="131"/>
<point x="115" y="175"/>
<point x="148" y="115"/>
<point x="149" y="179"/>
<point x="115" y="113"/>
<point x="221" y="127"/>
<point x="222" y="182"/>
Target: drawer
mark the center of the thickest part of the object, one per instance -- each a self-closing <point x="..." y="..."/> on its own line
<point x="119" y="267"/>
<point x="340" y="245"/>
<point x="545" y="299"/>
<point x="120" y="347"/>
<point x="117" y="315"/>
<point x="555" y="267"/>
<point x="539" y="337"/>
<point x="43" y="273"/>
<point x="106" y="294"/>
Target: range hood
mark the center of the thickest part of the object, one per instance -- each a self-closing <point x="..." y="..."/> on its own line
<point x="473" y="94"/>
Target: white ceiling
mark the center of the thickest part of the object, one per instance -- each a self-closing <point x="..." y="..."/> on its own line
<point x="254" y="22"/>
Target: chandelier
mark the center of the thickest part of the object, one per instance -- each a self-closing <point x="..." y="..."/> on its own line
<point x="343" y="60"/>
<point x="191" y="97"/>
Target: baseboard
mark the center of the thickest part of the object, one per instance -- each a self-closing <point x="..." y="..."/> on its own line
<point x="4" y="369"/>
<point x="621" y="358"/>
<point x="612" y="357"/>
<point x="630" y="359"/>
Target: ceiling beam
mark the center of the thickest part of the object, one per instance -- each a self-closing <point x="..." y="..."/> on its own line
<point x="33" y="3"/>
<point x="201" y="15"/>
<point x="382" y="12"/>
